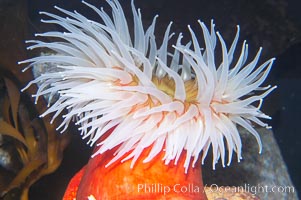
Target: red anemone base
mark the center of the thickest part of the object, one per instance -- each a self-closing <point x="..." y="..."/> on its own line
<point x="153" y="180"/>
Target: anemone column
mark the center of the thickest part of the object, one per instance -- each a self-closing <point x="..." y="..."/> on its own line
<point x="153" y="180"/>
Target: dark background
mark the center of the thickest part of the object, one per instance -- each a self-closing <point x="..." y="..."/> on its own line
<point x="273" y="24"/>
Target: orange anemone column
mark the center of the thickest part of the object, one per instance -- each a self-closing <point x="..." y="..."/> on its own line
<point x="153" y="180"/>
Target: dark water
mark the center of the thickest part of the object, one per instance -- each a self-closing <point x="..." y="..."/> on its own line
<point x="275" y="25"/>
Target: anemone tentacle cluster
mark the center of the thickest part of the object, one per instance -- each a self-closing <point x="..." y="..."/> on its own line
<point x="168" y="101"/>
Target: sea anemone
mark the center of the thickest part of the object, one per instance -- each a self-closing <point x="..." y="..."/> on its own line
<point x="146" y="96"/>
<point x="104" y="80"/>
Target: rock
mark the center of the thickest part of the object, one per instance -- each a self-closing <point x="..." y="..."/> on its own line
<point x="264" y="175"/>
<point x="228" y="193"/>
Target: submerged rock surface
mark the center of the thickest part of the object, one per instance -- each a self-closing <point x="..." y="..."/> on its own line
<point x="264" y="175"/>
